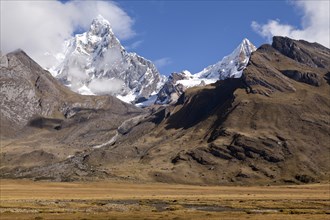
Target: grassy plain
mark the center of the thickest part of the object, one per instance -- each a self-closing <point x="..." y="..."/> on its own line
<point x="24" y="199"/>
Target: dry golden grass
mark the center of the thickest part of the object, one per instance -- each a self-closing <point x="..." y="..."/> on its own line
<point x="23" y="199"/>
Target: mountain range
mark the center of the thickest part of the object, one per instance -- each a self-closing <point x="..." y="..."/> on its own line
<point x="95" y="63"/>
<point x="264" y="122"/>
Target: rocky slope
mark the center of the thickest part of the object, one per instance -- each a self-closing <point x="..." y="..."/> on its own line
<point x="42" y="121"/>
<point x="230" y="66"/>
<point x="268" y="127"/>
<point x="96" y="63"/>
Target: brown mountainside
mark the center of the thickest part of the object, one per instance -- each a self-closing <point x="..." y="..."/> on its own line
<point x="271" y="126"/>
<point x="44" y="122"/>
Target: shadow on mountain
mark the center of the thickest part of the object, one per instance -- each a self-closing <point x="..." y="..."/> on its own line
<point x="201" y="103"/>
<point x="41" y="122"/>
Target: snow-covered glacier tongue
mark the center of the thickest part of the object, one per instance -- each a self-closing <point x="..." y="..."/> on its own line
<point x="230" y="66"/>
<point x="96" y="63"/>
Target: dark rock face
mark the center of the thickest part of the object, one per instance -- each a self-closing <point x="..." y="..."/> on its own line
<point x="198" y="107"/>
<point x="304" y="178"/>
<point x="310" y="54"/>
<point x="171" y="91"/>
<point x="327" y="77"/>
<point x="305" y="77"/>
<point x="270" y="150"/>
<point x="242" y="148"/>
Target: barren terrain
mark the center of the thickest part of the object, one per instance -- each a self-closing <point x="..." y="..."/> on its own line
<point x="25" y="199"/>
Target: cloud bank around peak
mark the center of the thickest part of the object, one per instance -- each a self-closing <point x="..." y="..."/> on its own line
<point x="41" y="27"/>
<point x="315" y="24"/>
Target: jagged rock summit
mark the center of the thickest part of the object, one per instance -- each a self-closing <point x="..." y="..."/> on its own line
<point x="230" y="66"/>
<point x="95" y="62"/>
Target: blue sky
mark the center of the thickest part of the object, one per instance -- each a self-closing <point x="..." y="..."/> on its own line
<point x="175" y="35"/>
<point x="194" y="34"/>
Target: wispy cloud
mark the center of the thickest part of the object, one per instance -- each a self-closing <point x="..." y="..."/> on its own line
<point x="162" y="62"/>
<point x="315" y="24"/>
<point x="40" y="27"/>
<point x="106" y="86"/>
<point x="134" y="45"/>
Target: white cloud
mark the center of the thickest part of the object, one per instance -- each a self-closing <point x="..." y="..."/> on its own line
<point x="315" y="24"/>
<point x="162" y="62"/>
<point x="106" y="86"/>
<point x="39" y="27"/>
<point x="112" y="58"/>
<point x="77" y="74"/>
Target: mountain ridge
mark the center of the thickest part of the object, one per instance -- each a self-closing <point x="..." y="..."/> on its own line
<point x="230" y="66"/>
<point x="95" y="63"/>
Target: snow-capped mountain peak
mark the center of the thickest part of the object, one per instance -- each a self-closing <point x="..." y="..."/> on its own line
<point x="95" y="62"/>
<point x="100" y="26"/>
<point x="230" y="66"/>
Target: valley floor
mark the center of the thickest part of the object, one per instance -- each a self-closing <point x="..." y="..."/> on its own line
<point x="24" y="199"/>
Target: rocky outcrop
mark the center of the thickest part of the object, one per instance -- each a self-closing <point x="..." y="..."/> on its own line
<point x="305" y="77"/>
<point x="171" y="90"/>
